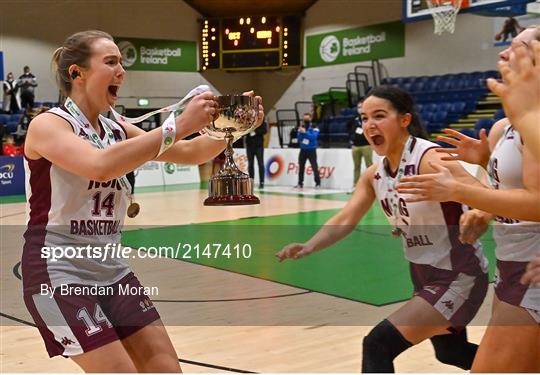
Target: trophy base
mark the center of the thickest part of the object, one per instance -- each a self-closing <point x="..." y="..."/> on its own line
<point x="230" y="189"/>
<point x="232" y="200"/>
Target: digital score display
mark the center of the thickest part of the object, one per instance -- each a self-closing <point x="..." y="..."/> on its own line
<point x="250" y="43"/>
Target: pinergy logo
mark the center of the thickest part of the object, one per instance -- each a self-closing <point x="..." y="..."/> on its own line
<point x="128" y="52"/>
<point x="329" y="48"/>
<point x="274" y="166"/>
<point x="6" y="171"/>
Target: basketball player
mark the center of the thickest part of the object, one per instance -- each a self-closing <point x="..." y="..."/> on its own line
<point x="511" y="342"/>
<point x="449" y="277"/>
<point x="520" y="92"/>
<point x="75" y="162"/>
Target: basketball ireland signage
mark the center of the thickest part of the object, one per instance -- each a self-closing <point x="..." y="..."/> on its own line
<point x="157" y="55"/>
<point x="359" y="44"/>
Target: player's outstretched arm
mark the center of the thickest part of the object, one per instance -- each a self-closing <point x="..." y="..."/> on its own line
<point x="520" y="93"/>
<point x="51" y="137"/>
<point x="444" y="185"/>
<point x="341" y="224"/>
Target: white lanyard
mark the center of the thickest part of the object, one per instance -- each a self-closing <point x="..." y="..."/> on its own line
<point x="176" y="108"/>
<point x="173" y="108"/>
<point x="392" y="182"/>
<point x="169" y="124"/>
<point x="79" y="116"/>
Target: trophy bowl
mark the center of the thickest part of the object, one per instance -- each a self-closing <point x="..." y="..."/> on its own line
<point x="236" y="116"/>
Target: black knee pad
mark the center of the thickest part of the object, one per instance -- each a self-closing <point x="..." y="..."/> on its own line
<point x="383" y="343"/>
<point x="454" y="349"/>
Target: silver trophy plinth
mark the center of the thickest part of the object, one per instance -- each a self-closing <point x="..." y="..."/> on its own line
<point x="237" y="116"/>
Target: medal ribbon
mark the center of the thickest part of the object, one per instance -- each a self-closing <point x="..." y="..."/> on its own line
<point x="79" y="116"/>
<point x="392" y="182"/>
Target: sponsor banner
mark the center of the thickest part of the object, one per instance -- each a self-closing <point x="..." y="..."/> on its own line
<point x="158" y="55"/>
<point x="359" y="44"/>
<point x="154" y="173"/>
<point x="149" y="174"/>
<point x="180" y="174"/>
<point x="281" y="167"/>
<point x="11" y="175"/>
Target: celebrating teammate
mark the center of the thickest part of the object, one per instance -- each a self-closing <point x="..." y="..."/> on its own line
<point x="520" y="91"/>
<point x="514" y="175"/>
<point x="77" y="196"/>
<point x="449" y="277"/>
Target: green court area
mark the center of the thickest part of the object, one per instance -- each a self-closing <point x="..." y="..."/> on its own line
<point x="367" y="266"/>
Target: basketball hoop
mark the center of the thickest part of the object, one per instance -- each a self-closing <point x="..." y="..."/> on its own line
<point x="444" y="14"/>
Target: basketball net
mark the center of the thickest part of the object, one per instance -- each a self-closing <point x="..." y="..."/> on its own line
<point x="444" y="14"/>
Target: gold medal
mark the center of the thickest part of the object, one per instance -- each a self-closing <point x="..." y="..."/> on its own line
<point x="133" y="209"/>
<point x="396" y="232"/>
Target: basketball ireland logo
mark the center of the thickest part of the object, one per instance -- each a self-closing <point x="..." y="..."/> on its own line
<point x="128" y="52"/>
<point x="329" y="48"/>
<point x="170" y="168"/>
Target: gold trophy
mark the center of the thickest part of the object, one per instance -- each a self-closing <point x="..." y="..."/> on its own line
<point x="237" y="116"/>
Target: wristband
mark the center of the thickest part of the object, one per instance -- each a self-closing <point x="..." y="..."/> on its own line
<point x="168" y="132"/>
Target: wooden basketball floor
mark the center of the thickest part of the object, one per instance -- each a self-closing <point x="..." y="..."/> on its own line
<point x="212" y="315"/>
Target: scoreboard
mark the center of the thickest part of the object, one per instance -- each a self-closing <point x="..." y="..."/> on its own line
<point x="250" y="43"/>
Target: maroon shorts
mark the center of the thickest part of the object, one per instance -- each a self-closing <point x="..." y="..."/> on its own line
<point x="456" y="295"/>
<point x="77" y="319"/>
<point x="508" y="288"/>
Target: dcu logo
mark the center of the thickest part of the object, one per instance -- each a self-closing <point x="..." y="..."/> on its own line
<point x="6" y="171"/>
<point x="274" y="166"/>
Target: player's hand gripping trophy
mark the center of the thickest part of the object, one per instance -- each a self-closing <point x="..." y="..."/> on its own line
<point x="237" y="115"/>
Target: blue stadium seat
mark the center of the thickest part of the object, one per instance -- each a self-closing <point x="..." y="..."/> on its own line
<point x="473" y="133"/>
<point x="426" y="116"/>
<point x="499" y="114"/>
<point x="431" y="107"/>
<point x="444" y="106"/>
<point x="491" y="74"/>
<point x="4" y="119"/>
<point x="11" y="127"/>
<point x="484" y="123"/>
<point x="15" y="117"/>
<point x="417" y="86"/>
<point x="438" y="121"/>
<point x="406" y="86"/>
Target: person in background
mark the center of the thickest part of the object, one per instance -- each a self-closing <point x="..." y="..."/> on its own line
<point x="254" y="142"/>
<point x="307" y="139"/>
<point x="293" y="137"/>
<point x="10" y="148"/>
<point x="27" y="84"/>
<point x="359" y="144"/>
<point x="10" y="102"/>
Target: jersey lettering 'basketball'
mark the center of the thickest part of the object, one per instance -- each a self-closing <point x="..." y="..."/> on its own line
<point x="69" y="211"/>
<point x="430" y="229"/>
<point x="517" y="240"/>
